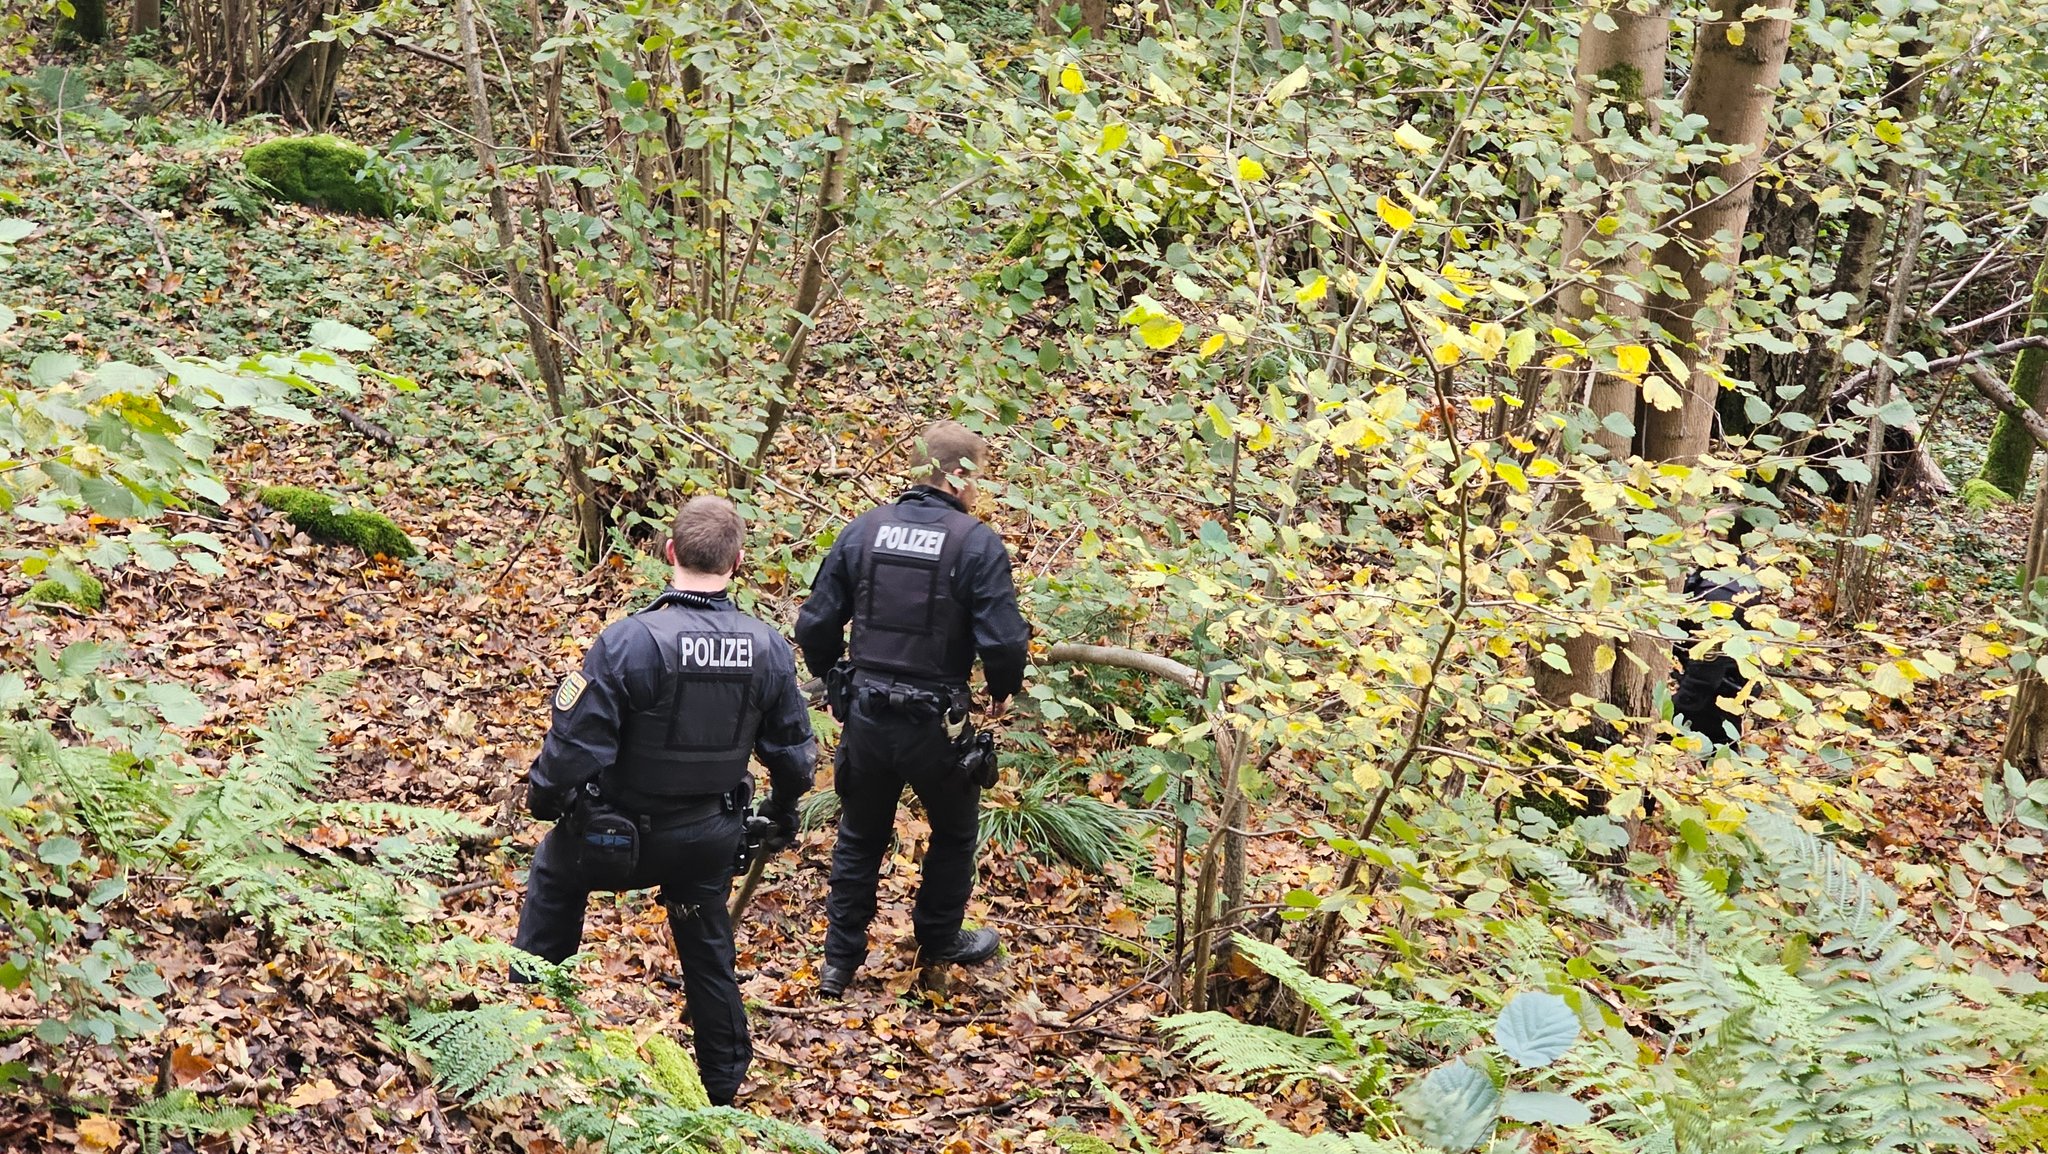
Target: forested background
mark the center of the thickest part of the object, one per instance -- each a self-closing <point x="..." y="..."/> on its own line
<point x="1365" y="378"/>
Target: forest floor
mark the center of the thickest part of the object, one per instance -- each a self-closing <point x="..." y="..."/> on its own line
<point x="455" y="656"/>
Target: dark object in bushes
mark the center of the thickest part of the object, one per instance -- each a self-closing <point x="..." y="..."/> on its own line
<point x="88" y="594"/>
<point x="316" y="515"/>
<point x="323" y="172"/>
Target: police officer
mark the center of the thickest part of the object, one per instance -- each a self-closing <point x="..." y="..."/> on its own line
<point x="926" y="587"/>
<point x="650" y="742"/>
<point x="1706" y="677"/>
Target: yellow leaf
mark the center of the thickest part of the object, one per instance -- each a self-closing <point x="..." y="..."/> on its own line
<point x="1890" y="132"/>
<point x="1603" y="659"/>
<point x="1314" y="291"/>
<point x="1446" y="354"/>
<point x="1070" y="79"/>
<point x="1511" y="473"/>
<point x="1410" y="138"/>
<point x="1737" y="33"/>
<point x="1396" y="217"/>
<point x="1113" y="138"/>
<point x="1159" y="332"/>
<point x="1212" y="344"/>
<point x="1680" y="371"/>
<point x="1544" y="467"/>
<point x="1632" y="359"/>
<point x="1161" y="91"/>
<point x="1249" y="169"/>
<point x="1217" y="420"/>
<point x="1559" y="361"/>
<point x="1660" y="395"/>
<point x="1376" y="285"/>
<point x="313" y="1093"/>
<point x="1287" y="86"/>
<point x="99" y="1132"/>
<point x="1521" y="346"/>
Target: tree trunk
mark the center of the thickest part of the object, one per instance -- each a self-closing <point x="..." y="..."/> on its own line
<point x="2010" y="454"/>
<point x="1734" y="87"/>
<point x="1622" y="69"/>
<point x="2026" y="738"/>
<point x="88" y="21"/>
<point x="835" y="192"/>
<point x="1788" y="221"/>
<point x="146" y="18"/>
<point x="1858" y="585"/>
<point x="1862" y="240"/>
<point x="540" y="332"/>
<point x="1094" y="16"/>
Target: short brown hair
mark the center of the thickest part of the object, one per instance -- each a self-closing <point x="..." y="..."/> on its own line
<point x="708" y="535"/>
<point x="941" y="448"/>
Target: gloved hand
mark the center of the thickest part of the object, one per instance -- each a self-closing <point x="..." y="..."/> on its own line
<point x="547" y="804"/>
<point x="781" y="812"/>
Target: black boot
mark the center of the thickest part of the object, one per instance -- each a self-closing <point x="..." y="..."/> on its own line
<point x="833" y="980"/>
<point x="966" y="948"/>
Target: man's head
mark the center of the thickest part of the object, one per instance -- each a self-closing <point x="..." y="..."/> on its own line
<point x="948" y="456"/>
<point x="706" y="539"/>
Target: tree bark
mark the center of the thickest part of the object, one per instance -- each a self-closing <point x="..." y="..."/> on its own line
<point x="2026" y="736"/>
<point x="2009" y="456"/>
<point x="1734" y="87"/>
<point x="1094" y="16"/>
<point x="146" y="17"/>
<point x="1622" y="71"/>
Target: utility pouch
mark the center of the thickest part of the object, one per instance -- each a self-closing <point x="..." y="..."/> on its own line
<point x="607" y="845"/>
<point x="839" y="690"/>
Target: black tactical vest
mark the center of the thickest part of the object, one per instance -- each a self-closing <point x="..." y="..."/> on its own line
<point x="907" y="616"/>
<point x="697" y="735"/>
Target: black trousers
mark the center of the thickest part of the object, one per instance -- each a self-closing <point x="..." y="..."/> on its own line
<point x="880" y="752"/>
<point x="1702" y="683"/>
<point x="692" y="863"/>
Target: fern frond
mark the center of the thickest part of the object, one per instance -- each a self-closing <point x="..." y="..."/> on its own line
<point x="1243" y="1051"/>
<point x="486" y="1054"/>
<point x="1246" y="1122"/>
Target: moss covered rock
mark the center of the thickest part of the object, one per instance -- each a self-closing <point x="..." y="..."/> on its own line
<point x="323" y="172"/>
<point x="87" y="593"/>
<point x="320" y="517"/>
<point x="1980" y="494"/>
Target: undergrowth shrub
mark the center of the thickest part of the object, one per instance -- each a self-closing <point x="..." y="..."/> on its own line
<point x="77" y="589"/>
<point x="629" y="1095"/>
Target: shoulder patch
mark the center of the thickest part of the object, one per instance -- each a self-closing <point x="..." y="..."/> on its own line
<point x="572" y="688"/>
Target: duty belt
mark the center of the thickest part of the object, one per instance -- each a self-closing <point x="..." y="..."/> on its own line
<point x="690" y="809"/>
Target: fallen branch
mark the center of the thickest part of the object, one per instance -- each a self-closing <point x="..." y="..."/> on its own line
<point x="420" y="50"/>
<point x="1994" y="390"/>
<point x="1118" y="657"/>
<point x="366" y="426"/>
<point x="1856" y="383"/>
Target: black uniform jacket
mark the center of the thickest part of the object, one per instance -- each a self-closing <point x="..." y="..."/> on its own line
<point x="982" y="582"/>
<point x="624" y="675"/>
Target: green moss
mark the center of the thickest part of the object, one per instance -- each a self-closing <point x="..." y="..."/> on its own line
<point x="1627" y="83"/>
<point x="675" y="1074"/>
<point x="323" y="172"/>
<point x="2009" y="455"/>
<point x="87" y="594"/>
<point x="317" y="516"/>
<point x="1980" y="494"/>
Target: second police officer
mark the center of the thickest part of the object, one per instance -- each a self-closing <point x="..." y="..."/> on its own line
<point x="926" y="588"/>
<point x="646" y="768"/>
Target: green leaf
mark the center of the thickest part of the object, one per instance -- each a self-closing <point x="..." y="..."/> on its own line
<point x="1555" y="1109"/>
<point x="51" y="369"/>
<point x="1536" y="1028"/>
<point x="14" y="228"/>
<point x="60" y="851"/>
<point x="342" y="338"/>
<point x="1453" y="1107"/>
